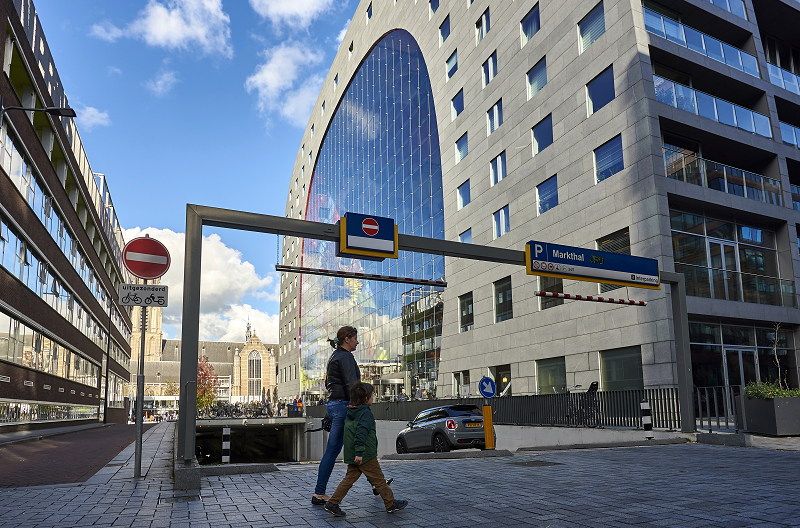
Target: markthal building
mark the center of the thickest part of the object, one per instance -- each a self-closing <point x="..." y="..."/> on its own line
<point x="664" y="129"/>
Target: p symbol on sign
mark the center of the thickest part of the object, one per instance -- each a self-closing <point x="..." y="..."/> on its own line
<point x="537" y="248"/>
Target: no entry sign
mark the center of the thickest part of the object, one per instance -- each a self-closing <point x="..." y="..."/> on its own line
<point x="370" y="227"/>
<point x="146" y="258"/>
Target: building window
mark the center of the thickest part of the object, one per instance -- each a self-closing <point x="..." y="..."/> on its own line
<point x="335" y="82"/>
<point x="552" y="285"/>
<point x="369" y="12"/>
<point x="254" y="374"/>
<point x="530" y="25"/>
<point x="457" y="105"/>
<point x="323" y="108"/>
<point x="462" y="148"/>
<point x="547" y="194"/>
<point x="463" y="195"/>
<point x="621" y="369"/>
<point x="543" y="134"/>
<point x="537" y="78"/>
<point x="489" y="69"/>
<point x="466" y="237"/>
<point x="494" y="117"/>
<point x="619" y="242"/>
<point x="502" y="224"/>
<point x="592" y="27"/>
<point x="497" y="168"/>
<point x="465" y="310"/>
<point x="444" y="30"/>
<point x="433" y="7"/>
<point x="600" y="91"/>
<point x="312" y="131"/>
<point x="451" y="67"/>
<point x="502" y="300"/>
<point x="482" y="27"/>
<point x="350" y="51"/>
<point x="551" y="375"/>
<point x="608" y="159"/>
<point x="310" y="156"/>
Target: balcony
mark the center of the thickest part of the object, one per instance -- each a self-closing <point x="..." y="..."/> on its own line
<point x="704" y="105"/>
<point x="783" y="78"/>
<point x="795" y="197"/>
<point x="694" y="40"/>
<point x="790" y="134"/>
<point x="698" y="171"/>
<point x="731" y="6"/>
<point x="736" y="286"/>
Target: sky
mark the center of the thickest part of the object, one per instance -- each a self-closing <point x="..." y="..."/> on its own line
<point x="203" y="102"/>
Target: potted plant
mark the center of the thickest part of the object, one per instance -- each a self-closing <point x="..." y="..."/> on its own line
<point x="772" y="409"/>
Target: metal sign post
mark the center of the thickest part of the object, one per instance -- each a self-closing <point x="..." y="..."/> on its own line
<point x="137" y="468"/>
<point x="488" y="389"/>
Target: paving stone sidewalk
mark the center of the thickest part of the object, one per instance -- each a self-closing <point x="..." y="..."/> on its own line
<point x="691" y="485"/>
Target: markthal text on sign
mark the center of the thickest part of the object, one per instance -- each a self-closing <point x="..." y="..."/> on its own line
<point x="567" y="262"/>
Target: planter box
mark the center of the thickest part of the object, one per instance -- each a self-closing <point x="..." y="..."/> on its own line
<point x="776" y="417"/>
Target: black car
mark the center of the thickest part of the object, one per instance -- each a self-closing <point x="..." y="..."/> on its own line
<point x="443" y="428"/>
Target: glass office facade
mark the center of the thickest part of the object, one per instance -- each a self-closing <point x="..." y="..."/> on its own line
<point x="380" y="156"/>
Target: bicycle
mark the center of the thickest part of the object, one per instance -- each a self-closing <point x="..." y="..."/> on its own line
<point x="132" y="297"/>
<point x="584" y="409"/>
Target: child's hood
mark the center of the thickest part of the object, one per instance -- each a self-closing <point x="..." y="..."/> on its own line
<point x="355" y="413"/>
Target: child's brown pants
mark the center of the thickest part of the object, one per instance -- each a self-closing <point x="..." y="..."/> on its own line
<point x="372" y="469"/>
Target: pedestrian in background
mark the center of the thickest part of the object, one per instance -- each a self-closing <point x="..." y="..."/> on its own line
<point x="403" y="396"/>
<point x="361" y="452"/>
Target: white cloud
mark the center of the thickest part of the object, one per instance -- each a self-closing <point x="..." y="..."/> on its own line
<point x="176" y="24"/>
<point x="113" y="70"/>
<point x="90" y="117"/>
<point x="342" y="33"/>
<point x="163" y="83"/>
<point x="278" y="83"/>
<point x="297" y="14"/>
<point x="226" y="280"/>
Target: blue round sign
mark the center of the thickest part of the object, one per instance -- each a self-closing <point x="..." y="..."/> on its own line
<point x="487" y="387"/>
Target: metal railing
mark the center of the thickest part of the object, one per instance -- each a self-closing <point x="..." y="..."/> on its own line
<point x="701" y="43"/>
<point x="704" y="105"/>
<point x="693" y="169"/>
<point x="605" y="409"/>
<point x="732" y="6"/>
<point x="790" y="134"/>
<point x="736" y="286"/>
<point x="784" y="79"/>
<point x="715" y="407"/>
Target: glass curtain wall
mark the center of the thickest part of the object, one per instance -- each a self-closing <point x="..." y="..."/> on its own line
<point x="380" y="156"/>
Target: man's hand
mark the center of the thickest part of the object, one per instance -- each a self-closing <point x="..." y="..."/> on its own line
<point x="357" y="460"/>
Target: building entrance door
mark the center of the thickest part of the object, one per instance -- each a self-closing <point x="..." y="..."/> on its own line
<point x="724" y="272"/>
<point x="740" y="366"/>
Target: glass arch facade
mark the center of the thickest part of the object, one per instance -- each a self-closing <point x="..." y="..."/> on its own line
<point x="379" y="156"/>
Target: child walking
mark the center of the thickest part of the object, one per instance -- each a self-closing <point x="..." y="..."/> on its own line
<point x="361" y="452"/>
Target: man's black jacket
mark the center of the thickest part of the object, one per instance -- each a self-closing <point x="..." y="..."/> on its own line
<point x="342" y="372"/>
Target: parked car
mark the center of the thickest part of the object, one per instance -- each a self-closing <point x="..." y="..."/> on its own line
<point x="443" y="428"/>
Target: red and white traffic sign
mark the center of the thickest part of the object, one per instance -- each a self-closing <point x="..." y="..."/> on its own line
<point x="370" y="227"/>
<point x="146" y="258"/>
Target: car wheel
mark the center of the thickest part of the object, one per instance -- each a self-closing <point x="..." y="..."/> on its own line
<point x="400" y="445"/>
<point x="440" y="444"/>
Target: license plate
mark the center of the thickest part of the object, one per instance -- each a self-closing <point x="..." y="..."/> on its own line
<point x="473" y="425"/>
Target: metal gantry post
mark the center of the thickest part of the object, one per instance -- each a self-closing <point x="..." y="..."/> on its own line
<point x="137" y="469"/>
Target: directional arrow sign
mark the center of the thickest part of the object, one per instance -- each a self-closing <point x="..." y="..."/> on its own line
<point x="146" y="258"/>
<point x="486" y="387"/>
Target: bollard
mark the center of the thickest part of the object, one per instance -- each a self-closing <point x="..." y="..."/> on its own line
<point x="647" y="420"/>
<point x="226" y="445"/>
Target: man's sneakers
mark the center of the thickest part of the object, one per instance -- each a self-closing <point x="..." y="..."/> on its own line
<point x="316" y="501"/>
<point x="336" y="510"/>
<point x="396" y="506"/>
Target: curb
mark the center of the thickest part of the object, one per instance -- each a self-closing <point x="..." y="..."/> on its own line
<point x="608" y="445"/>
<point x="489" y="453"/>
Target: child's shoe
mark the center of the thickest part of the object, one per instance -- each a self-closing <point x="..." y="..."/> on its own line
<point x="388" y="483"/>
<point x="335" y="509"/>
<point x="396" y="506"/>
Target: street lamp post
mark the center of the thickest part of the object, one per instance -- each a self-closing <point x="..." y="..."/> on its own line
<point x="52" y="110"/>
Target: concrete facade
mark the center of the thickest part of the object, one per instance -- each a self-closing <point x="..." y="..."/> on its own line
<point x="638" y="198"/>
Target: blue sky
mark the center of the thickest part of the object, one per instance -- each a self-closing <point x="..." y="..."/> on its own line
<point x="198" y="101"/>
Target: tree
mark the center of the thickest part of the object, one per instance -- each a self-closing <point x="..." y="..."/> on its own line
<point x="775" y="340"/>
<point x="206" y="383"/>
<point x="171" y="389"/>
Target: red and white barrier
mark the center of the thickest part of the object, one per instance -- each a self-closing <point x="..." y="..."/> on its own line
<point x="592" y="298"/>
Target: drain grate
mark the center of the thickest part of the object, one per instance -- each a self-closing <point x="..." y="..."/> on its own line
<point x="537" y="463"/>
<point x="183" y="498"/>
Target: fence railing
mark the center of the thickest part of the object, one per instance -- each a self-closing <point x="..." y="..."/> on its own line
<point x="715" y="407"/>
<point x="605" y="409"/>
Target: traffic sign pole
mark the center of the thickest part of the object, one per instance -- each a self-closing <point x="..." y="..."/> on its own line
<point x="488" y="389"/>
<point x="137" y="469"/>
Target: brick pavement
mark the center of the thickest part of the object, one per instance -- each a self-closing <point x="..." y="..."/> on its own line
<point x="62" y="459"/>
<point x="691" y="485"/>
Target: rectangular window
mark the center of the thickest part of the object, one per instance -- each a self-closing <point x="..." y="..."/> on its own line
<point x="621" y="369"/>
<point x="444" y="30"/>
<point x="552" y="285"/>
<point x="323" y="108"/>
<point x="335" y="82"/>
<point x="537" y="78"/>
<point x="494" y="117"/>
<point x="466" y="237"/>
<point x="489" y="69"/>
<point x="592" y="27"/>
<point x="457" y="105"/>
<point x="502" y="300"/>
<point x="462" y="148"/>
<point x="463" y="195"/>
<point x="312" y="131"/>
<point x="482" y="27"/>
<point x="608" y="159"/>
<point x="600" y="90"/>
<point x="547" y="194"/>
<point x="551" y="375"/>
<point x="530" y="25"/>
<point x="433" y="7"/>
<point x="369" y="12"/>
<point x="543" y="134"/>
<point x="465" y="311"/>
<point x="497" y="168"/>
<point x="350" y="52"/>
<point x="619" y="242"/>
<point x="452" y="65"/>
<point x="502" y="225"/>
